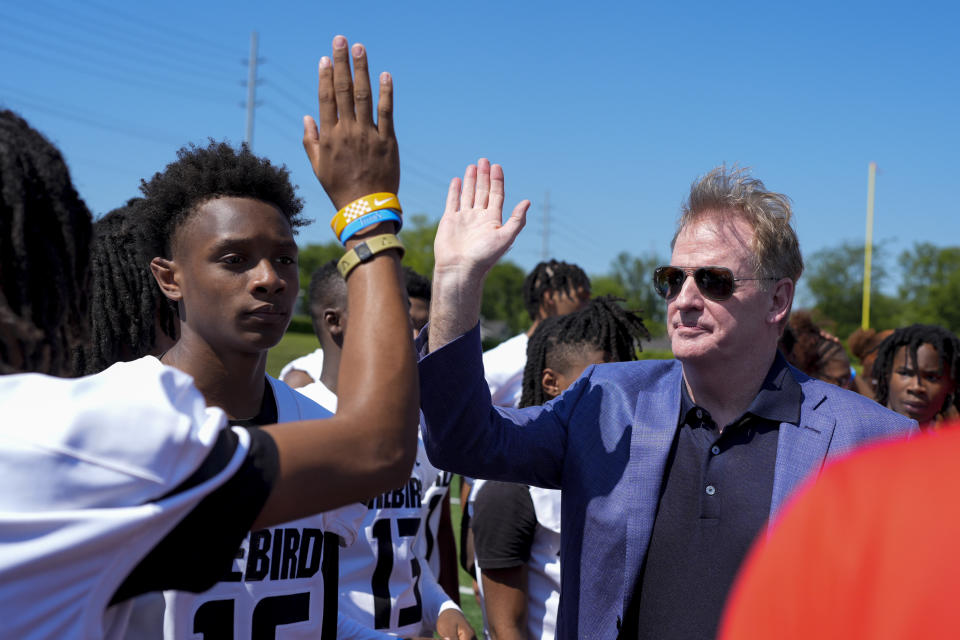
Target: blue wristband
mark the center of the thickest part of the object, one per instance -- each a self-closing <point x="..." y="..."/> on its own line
<point x="368" y="220"/>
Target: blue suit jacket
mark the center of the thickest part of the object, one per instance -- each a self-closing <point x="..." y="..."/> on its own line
<point x="605" y="442"/>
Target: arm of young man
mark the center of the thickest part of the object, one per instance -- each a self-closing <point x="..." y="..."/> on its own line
<point x="370" y="444"/>
<point x="449" y="577"/>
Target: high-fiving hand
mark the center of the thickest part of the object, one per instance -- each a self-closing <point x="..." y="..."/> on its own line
<point x="351" y="155"/>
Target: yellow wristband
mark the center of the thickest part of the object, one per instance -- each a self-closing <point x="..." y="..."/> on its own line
<point x="360" y="206"/>
<point x="365" y="250"/>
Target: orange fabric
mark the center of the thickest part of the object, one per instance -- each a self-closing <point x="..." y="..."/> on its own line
<point x="871" y="550"/>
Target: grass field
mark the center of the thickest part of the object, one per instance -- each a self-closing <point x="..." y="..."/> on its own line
<point x="293" y="345"/>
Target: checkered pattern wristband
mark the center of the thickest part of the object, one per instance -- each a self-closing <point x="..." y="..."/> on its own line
<point x="361" y="208"/>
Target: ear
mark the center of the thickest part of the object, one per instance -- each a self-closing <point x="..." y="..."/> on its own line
<point x="332" y="321"/>
<point x="550" y="383"/>
<point x="165" y="273"/>
<point x="781" y="301"/>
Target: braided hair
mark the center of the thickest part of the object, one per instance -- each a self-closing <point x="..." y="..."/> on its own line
<point x="810" y="351"/>
<point x="45" y="230"/>
<point x="126" y="305"/>
<point x="912" y="337"/>
<point x="602" y="325"/>
<point x="551" y="276"/>
<point x="205" y="173"/>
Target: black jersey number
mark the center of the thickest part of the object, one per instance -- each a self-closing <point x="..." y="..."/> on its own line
<point x="214" y="619"/>
<point x="380" y="583"/>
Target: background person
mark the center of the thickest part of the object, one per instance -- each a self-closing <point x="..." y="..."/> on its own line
<point x="916" y="371"/>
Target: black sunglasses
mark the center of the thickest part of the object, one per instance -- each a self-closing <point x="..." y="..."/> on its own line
<point x="715" y="283"/>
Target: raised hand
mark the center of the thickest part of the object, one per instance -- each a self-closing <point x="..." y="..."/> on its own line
<point x="470" y="239"/>
<point x="351" y="155"/>
<point x="472" y="236"/>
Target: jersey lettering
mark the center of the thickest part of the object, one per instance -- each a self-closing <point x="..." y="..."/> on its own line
<point x="283" y="554"/>
<point x="406" y="497"/>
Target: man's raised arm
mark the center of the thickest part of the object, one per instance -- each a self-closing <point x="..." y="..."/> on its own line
<point x="370" y="444"/>
<point x="470" y="239"/>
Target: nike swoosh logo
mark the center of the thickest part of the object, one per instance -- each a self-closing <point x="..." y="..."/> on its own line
<point x="377" y="203"/>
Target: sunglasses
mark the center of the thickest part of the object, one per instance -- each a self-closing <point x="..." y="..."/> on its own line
<point x="715" y="283"/>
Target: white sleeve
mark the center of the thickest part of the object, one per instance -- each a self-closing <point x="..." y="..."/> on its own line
<point x="350" y="629"/>
<point x="435" y="599"/>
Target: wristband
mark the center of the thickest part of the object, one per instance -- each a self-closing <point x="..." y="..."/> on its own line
<point x="360" y="206"/>
<point x="368" y="220"/>
<point x="365" y="251"/>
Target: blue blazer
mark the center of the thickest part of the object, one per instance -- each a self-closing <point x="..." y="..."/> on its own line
<point x="605" y="442"/>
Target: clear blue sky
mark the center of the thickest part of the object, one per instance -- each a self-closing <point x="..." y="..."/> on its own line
<point x="612" y="108"/>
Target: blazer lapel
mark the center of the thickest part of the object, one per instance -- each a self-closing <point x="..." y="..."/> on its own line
<point x="654" y="425"/>
<point x="801" y="449"/>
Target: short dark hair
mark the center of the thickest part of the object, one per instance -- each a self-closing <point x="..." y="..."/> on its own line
<point x="912" y="337"/>
<point x="126" y="305"/>
<point x="552" y="275"/>
<point x="327" y="288"/>
<point x="217" y="170"/>
<point x="417" y="285"/>
<point x="45" y="230"/>
<point x="603" y="324"/>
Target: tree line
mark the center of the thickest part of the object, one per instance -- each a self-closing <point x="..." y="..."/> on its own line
<point x="927" y="281"/>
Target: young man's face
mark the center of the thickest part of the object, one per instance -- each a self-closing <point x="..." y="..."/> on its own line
<point x="236" y="267"/>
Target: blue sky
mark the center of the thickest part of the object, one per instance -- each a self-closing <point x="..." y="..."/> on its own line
<point x="612" y="108"/>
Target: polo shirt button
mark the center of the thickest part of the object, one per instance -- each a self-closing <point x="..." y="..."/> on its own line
<point x="710" y="490"/>
<point x="714" y="449"/>
<point x="699" y="413"/>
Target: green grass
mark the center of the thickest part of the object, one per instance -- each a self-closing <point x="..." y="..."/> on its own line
<point x="292" y="345"/>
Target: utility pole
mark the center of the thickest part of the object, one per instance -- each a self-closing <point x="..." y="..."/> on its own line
<point x="868" y="246"/>
<point x="251" y="87"/>
<point x="546" y="227"/>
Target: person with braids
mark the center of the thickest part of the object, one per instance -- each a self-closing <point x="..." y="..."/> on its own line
<point x="553" y="288"/>
<point x="517" y="527"/>
<point x="129" y="316"/>
<point x="669" y="469"/>
<point x="863" y="345"/>
<point x="815" y="352"/>
<point x="126" y="482"/>
<point x="916" y="371"/>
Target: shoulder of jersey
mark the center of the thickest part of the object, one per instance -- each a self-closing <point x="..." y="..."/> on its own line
<point x="118" y="438"/>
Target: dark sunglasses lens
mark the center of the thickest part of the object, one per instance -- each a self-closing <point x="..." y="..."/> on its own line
<point x="715" y="283"/>
<point x="668" y="281"/>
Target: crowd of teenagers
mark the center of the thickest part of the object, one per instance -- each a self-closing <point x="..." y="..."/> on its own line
<point x="159" y="484"/>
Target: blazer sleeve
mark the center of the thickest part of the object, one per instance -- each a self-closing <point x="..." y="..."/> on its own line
<point x="464" y="433"/>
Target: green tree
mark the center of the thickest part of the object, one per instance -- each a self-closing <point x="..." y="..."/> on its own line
<point x="834" y="277"/>
<point x="417" y="236"/>
<point x="503" y="296"/>
<point x="634" y="274"/>
<point x="930" y="287"/>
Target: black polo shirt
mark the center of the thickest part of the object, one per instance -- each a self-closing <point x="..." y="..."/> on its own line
<point x="714" y="500"/>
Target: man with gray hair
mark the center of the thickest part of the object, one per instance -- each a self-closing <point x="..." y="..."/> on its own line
<point x="669" y="469"/>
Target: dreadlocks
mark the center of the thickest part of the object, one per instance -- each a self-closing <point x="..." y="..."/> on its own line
<point x="204" y="173"/>
<point x="44" y="244"/>
<point x="126" y="304"/>
<point x="551" y="276"/>
<point x="912" y="337"/>
<point x="602" y="325"/>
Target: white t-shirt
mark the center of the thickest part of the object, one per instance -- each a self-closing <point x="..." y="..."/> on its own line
<point x="386" y="583"/>
<point x="312" y="363"/>
<point x="504" y="363"/>
<point x="283" y="582"/>
<point x="89" y="467"/>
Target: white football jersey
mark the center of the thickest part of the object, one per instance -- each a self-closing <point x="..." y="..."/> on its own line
<point x="89" y="467"/>
<point x="312" y="363"/>
<point x="543" y="568"/>
<point x="504" y="361"/>
<point x="283" y="583"/>
<point x="433" y="496"/>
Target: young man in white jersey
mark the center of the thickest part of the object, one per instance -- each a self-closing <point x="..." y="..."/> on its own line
<point x="517" y="527"/>
<point x="107" y="476"/>
<point x="386" y="583"/>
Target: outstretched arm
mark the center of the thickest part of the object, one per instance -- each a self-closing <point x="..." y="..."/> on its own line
<point x="470" y="239"/>
<point x="370" y="444"/>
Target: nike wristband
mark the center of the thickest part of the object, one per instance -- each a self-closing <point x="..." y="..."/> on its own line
<point x="363" y="206"/>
